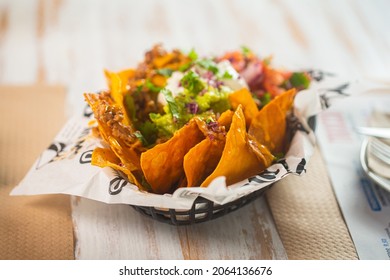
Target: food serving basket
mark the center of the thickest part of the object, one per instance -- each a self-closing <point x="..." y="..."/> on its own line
<point x="202" y="209"/>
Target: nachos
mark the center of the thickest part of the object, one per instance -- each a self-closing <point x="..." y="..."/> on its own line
<point x="181" y="120"/>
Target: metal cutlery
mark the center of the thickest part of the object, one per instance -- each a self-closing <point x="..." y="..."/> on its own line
<point x="384" y="182"/>
<point x="380" y="150"/>
<point x="381" y="132"/>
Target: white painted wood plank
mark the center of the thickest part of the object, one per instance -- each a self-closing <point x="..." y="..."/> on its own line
<point x="248" y="233"/>
<point x="19" y="43"/>
<point x="119" y="232"/>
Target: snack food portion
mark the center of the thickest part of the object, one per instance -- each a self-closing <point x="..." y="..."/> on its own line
<point x="182" y="120"/>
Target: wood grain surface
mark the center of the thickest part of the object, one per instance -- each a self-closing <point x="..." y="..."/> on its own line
<point x="70" y="42"/>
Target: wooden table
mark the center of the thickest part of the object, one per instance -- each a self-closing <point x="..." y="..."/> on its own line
<point x="70" y="42"/>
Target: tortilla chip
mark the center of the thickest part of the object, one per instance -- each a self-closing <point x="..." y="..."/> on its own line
<point x="263" y="154"/>
<point x="201" y="161"/>
<point x="163" y="164"/>
<point x="117" y="88"/>
<point x="244" y="97"/>
<point x="238" y="161"/>
<point x="124" y="77"/>
<point x="128" y="153"/>
<point x="162" y="61"/>
<point x="105" y="157"/>
<point x="269" y="124"/>
<point x="129" y="157"/>
<point x="226" y="119"/>
<point x="286" y="99"/>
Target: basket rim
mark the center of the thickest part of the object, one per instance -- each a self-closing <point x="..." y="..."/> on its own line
<point x="209" y="210"/>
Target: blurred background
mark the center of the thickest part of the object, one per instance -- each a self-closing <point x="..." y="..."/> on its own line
<point x="70" y="42"/>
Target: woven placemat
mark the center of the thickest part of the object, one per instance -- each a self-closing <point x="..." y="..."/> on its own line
<point x="308" y="217"/>
<point x="31" y="227"/>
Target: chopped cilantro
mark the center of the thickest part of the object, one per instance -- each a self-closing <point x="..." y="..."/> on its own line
<point x="130" y="106"/>
<point x="265" y="99"/>
<point x="173" y="107"/>
<point x="165" y="72"/>
<point x="149" y="132"/>
<point x="193" y="55"/>
<point x="299" y="80"/>
<point x="191" y="81"/>
<point x="279" y="156"/>
<point x="227" y="76"/>
<point x="209" y="65"/>
<point x="246" y="51"/>
<point x="185" y="67"/>
<point x="141" y="138"/>
<point x="152" y="86"/>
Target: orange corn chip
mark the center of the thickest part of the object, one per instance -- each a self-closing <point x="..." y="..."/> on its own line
<point x="162" y="61"/>
<point x="117" y="88"/>
<point x="263" y="154"/>
<point x="269" y="124"/>
<point x="244" y="97"/>
<point x="105" y="157"/>
<point x="129" y="157"/>
<point x="124" y="77"/>
<point x="286" y="99"/>
<point x="126" y="148"/>
<point x="201" y="160"/>
<point x="226" y="119"/>
<point x="238" y="161"/>
<point x="163" y="164"/>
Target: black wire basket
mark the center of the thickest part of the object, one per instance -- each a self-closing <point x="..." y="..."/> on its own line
<point x="202" y="210"/>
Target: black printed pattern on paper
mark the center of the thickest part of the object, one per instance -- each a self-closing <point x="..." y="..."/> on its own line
<point x="264" y="177"/>
<point x="284" y="163"/>
<point x="294" y="125"/>
<point x="332" y="93"/>
<point x="86" y="157"/>
<point x="51" y="154"/>
<point x="268" y="176"/>
<point x="319" y="75"/>
<point x="117" y="184"/>
<point x="301" y="167"/>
